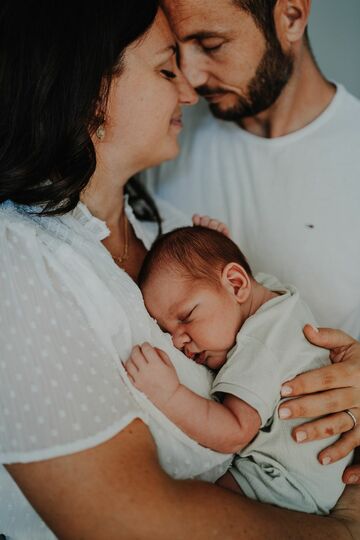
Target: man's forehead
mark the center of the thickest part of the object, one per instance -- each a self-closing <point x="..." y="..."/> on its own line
<point x="195" y="17"/>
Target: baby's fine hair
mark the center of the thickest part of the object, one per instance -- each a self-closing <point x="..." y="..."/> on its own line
<point x="194" y="252"/>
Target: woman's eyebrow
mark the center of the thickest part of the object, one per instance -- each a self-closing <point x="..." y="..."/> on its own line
<point x="170" y="48"/>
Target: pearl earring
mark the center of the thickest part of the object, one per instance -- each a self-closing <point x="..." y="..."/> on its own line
<point x="100" y="132"/>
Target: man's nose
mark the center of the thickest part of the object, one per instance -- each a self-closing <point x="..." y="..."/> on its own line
<point x="192" y="67"/>
<point x="187" y="95"/>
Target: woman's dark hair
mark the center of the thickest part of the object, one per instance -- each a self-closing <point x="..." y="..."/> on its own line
<point x="57" y="60"/>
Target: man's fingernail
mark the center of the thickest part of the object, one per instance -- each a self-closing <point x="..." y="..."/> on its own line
<point x="284" y="412"/>
<point x="353" y="479"/>
<point x="301" y="436"/>
<point x="314" y="328"/>
<point x="326" y="460"/>
<point x="286" y="390"/>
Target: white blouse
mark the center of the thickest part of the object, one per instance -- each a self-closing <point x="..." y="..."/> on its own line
<point x="69" y="316"/>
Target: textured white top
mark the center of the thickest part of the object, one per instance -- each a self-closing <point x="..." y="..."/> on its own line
<point x="68" y="317"/>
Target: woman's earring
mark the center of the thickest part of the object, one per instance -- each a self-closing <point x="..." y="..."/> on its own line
<point x="100" y="132"/>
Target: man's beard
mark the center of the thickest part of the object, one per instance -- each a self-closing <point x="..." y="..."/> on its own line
<point x="272" y="74"/>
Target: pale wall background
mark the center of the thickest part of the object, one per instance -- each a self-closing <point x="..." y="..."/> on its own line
<point x="334" y="31"/>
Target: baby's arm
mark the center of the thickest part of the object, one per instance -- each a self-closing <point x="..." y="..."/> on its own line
<point x="225" y="427"/>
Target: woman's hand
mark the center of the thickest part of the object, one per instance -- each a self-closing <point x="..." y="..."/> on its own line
<point x="209" y="223"/>
<point x="332" y="390"/>
<point x="151" y="371"/>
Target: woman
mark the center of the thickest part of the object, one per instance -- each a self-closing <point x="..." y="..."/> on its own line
<point x="90" y="96"/>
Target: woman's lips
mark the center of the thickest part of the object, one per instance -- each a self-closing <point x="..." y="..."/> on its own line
<point x="176" y="122"/>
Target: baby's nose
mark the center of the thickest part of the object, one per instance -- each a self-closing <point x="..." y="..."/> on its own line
<point x="180" y="340"/>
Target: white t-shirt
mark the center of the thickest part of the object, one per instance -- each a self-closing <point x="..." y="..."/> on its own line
<point x="68" y="317"/>
<point x="292" y="203"/>
<point x="270" y="349"/>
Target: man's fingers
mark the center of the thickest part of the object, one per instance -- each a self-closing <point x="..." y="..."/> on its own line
<point x="341" y="448"/>
<point x="327" y="337"/>
<point x="320" y="404"/>
<point x="318" y="380"/>
<point x="352" y="473"/>
<point x="196" y="219"/>
<point x="322" y="428"/>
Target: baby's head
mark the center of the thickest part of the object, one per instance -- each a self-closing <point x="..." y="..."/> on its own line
<point x="197" y="284"/>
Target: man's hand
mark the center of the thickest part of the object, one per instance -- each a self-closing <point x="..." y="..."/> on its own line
<point x="329" y="392"/>
<point x="151" y="371"/>
<point x="209" y="223"/>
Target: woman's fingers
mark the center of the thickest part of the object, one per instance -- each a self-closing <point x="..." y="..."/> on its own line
<point x="328" y="402"/>
<point x="341" y="448"/>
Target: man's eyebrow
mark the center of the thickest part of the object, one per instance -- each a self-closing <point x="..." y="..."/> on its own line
<point x="202" y="34"/>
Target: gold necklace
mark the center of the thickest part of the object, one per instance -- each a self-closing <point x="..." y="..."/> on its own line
<point x="123" y="258"/>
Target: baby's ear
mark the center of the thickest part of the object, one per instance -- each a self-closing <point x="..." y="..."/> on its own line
<point x="237" y="281"/>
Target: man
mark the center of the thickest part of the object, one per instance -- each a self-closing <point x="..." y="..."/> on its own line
<point x="279" y="157"/>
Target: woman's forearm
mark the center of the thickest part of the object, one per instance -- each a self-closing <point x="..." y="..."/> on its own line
<point x="101" y="492"/>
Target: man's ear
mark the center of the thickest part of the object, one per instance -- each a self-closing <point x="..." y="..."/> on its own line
<point x="236" y="280"/>
<point x="291" y="18"/>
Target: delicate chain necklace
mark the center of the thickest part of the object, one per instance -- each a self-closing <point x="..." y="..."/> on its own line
<point x="123" y="258"/>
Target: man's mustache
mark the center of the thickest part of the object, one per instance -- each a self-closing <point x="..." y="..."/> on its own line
<point x="207" y="91"/>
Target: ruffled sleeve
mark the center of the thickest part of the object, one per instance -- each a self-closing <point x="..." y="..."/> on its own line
<point x="60" y="389"/>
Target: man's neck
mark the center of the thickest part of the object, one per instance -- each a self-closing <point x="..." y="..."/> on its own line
<point x="303" y="99"/>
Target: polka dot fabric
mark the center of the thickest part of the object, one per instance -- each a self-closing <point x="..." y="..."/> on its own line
<point x="69" y="318"/>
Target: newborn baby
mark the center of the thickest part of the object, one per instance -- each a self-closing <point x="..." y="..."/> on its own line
<point x="199" y="287"/>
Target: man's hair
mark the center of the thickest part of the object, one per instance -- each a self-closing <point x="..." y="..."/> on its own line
<point x="262" y="12"/>
<point x="194" y="252"/>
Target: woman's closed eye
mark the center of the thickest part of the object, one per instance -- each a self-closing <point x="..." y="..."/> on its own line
<point x="170" y="75"/>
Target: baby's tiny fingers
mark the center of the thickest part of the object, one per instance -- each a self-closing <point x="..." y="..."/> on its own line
<point x="341" y="448"/>
<point x="138" y="357"/>
<point x="132" y="371"/>
<point x="150" y="354"/>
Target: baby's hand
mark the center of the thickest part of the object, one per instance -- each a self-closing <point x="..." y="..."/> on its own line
<point x="151" y="371"/>
<point x="206" y="221"/>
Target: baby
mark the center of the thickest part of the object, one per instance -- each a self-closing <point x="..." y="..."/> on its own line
<point x="199" y="287"/>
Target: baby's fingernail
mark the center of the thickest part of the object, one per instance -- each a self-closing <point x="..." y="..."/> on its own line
<point x="301" y="436"/>
<point x="286" y="390"/>
<point x="326" y="460"/>
<point x="284" y="413"/>
<point x="314" y="328"/>
<point x="353" y="479"/>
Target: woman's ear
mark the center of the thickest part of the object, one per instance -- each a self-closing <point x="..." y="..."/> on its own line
<point x="291" y="18"/>
<point x="236" y="281"/>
